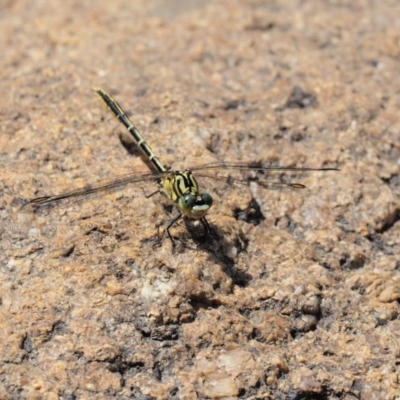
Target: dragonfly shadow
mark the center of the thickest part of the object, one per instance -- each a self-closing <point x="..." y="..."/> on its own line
<point x="222" y="250"/>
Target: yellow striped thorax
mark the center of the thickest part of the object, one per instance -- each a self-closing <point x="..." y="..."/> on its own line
<point x="182" y="188"/>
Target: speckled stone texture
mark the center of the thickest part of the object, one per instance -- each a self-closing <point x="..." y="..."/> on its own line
<point x="296" y="293"/>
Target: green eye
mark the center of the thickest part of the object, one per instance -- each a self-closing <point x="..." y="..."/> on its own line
<point x="207" y="199"/>
<point x="187" y="201"/>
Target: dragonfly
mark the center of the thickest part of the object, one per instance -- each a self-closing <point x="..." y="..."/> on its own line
<point x="179" y="186"/>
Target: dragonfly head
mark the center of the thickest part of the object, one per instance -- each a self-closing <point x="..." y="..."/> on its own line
<point x="195" y="207"/>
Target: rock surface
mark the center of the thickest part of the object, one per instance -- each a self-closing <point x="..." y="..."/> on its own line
<point x="296" y="293"/>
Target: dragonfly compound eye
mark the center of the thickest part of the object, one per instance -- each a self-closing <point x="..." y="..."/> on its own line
<point x="207" y="199"/>
<point x="187" y="202"/>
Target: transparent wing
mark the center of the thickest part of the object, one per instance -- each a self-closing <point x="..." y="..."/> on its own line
<point x="254" y="166"/>
<point x="246" y="182"/>
<point x="102" y="187"/>
<point x="117" y="183"/>
<point x="256" y="172"/>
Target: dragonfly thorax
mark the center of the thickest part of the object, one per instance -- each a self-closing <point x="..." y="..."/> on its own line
<point x="182" y="188"/>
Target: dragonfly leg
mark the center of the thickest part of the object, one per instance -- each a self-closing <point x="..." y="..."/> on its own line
<point x="207" y="228"/>
<point x="170" y="223"/>
<point x="167" y="232"/>
<point x="151" y="194"/>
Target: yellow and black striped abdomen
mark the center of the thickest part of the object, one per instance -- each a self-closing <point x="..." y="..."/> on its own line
<point x="121" y="115"/>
